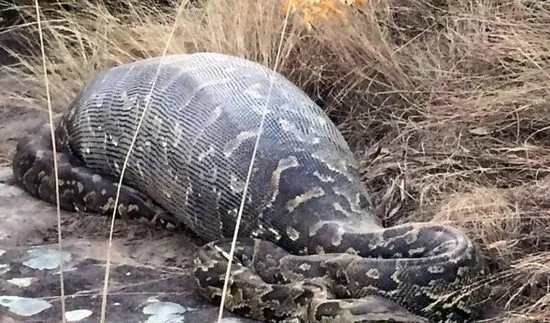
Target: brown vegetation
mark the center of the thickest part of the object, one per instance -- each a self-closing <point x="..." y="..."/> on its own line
<point x="444" y="102"/>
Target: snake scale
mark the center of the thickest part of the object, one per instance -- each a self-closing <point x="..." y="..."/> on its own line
<point x="309" y="248"/>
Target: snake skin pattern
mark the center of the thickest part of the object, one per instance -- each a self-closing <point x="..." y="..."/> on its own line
<point x="310" y="249"/>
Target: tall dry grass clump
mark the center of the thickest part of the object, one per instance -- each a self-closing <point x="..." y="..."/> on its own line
<point x="444" y="102"/>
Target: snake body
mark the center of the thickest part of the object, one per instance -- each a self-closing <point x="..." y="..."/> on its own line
<point x="309" y="248"/>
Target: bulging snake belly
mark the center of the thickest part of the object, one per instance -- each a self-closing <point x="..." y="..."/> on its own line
<point x="310" y="249"/>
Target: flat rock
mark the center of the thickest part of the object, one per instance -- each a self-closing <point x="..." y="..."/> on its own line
<point x="150" y="273"/>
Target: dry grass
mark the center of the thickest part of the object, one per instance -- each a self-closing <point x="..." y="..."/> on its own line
<point x="453" y="93"/>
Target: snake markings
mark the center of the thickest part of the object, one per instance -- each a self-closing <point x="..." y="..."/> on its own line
<point x="309" y="248"/>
